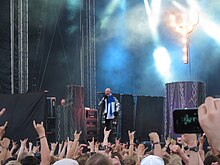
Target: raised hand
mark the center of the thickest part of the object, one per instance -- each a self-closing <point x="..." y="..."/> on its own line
<point x="2" y="111"/>
<point x="23" y="142"/>
<point x="5" y="143"/>
<point x="117" y="141"/>
<point x="154" y="137"/>
<point x="92" y="145"/>
<point x="35" y="149"/>
<point x="77" y="135"/>
<point x="30" y="147"/>
<point x="60" y="148"/>
<point x="190" y="139"/>
<point x="97" y="144"/>
<point x="131" y="136"/>
<point x="168" y="141"/>
<point x="39" y="128"/>
<point x="2" y="129"/>
<point x="175" y="149"/>
<point x="201" y="141"/>
<point x="106" y="133"/>
<point x="14" y="145"/>
<point x="141" y="150"/>
<point x="209" y="115"/>
<point x="53" y="146"/>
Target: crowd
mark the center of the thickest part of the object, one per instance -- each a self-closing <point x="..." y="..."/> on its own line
<point x="185" y="150"/>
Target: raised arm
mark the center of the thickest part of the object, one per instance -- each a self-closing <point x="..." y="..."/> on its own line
<point x="194" y="156"/>
<point x="53" y="148"/>
<point x="106" y="135"/>
<point x="2" y="130"/>
<point x="73" y="148"/>
<point x="22" y="148"/>
<point x="176" y="149"/>
<point x="131" y="142"/>
<point x="63" y="151"/>
<point x="14" y="146"/>
<point x="156" y="142"/>
<point x="209" y="115"/>
<point x="2" y="111"/>
<point x="45" y="151"/>
<point x="4" y="144"/>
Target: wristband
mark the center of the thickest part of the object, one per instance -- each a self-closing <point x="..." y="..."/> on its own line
<point x="186" y="148"/>
<point x="195" y="149"/>
<point x="156" y="143"/>
<point x="42" y="137"/>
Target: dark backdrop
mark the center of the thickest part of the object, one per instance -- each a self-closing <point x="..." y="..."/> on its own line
<point x="149" y="116"/>
<point x="21" y="110"/>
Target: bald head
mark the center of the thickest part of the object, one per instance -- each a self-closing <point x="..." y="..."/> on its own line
<point x="107" y="91"/>
<point x="62" y="102"/>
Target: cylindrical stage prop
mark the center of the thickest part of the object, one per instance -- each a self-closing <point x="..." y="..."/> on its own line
<point x="189" y="94"/>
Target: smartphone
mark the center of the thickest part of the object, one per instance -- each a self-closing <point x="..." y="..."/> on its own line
<point x="186" y="121"/>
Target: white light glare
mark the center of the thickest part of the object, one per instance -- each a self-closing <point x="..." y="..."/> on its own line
<point x="153" y="13"/>
<point x="162" y="62"/>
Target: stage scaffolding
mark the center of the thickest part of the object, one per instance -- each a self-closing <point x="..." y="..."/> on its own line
<point x="88" y="52"/>
<point x="19" y="45"/>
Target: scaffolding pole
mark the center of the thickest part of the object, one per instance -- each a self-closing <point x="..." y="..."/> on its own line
<point x="88" y="59"/>
<point x="12" y="43"/>
<point x="19" y="45"/>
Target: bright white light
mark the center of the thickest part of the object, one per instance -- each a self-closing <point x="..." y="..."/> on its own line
<point x="108" y="12"/>
<point x="163" y="62"/>
<point x="185" y="58"/>
<point x="208" y="25"/>
<point x="184" y="40"/>
<point x="179" y="6"/>
<point x="184" y="49"/>
<point x="153" y="13"/>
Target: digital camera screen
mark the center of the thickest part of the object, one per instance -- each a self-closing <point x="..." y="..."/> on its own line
<point x="186" y="121"/>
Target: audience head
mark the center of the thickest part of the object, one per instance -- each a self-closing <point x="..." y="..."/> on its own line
<point x="98" y="159"/>
<point x="209" y="160"/>
<point x="29" y="160"/>
<point x="129" y="161"/>
<point x="66" y="162"/>
<point x="152" y="160"/>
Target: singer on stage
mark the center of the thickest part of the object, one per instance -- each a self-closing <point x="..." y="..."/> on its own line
<point x="110" y="108"/>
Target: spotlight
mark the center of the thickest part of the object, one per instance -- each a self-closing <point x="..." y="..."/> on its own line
<point x="183" y="26"/>
<point x="185" y="58"/>
<point x="184" y="40"/>
<point x="162" y="62"/>
<point x="184" y="49"/>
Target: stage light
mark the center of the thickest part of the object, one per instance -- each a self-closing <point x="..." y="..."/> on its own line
<point x="172" y="20"/>
<point x="185" y="49"/>
<point x="162" y="62"/>
<point x="212" y="29"/>
<point x="153" y="13"/>
<point x="184" y="26"/>
<point x="113" y="5"/>
<point x="209" y="26"/>
<point x="184" y="40"/>
<point x="179" y="6"/>
<point x="184" y="16"/>
<point x="186" y="58"/>
<point x="189" y="28"/>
